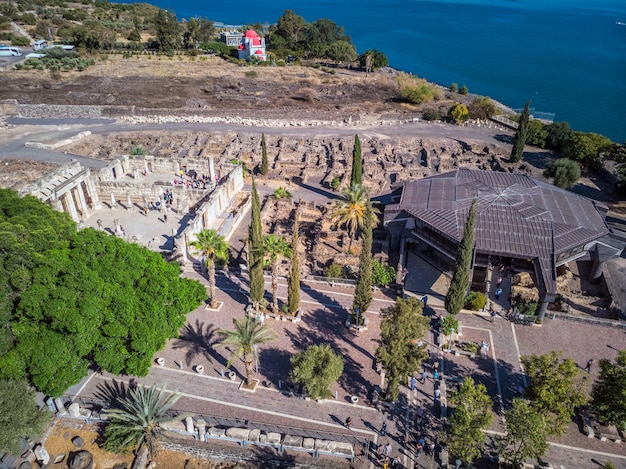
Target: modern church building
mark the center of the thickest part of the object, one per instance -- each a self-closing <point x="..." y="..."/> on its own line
<point x="524" y="223"/>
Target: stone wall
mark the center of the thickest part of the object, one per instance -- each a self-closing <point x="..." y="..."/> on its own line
<point x="223" y="454"/>
<point x="57" y="111"/>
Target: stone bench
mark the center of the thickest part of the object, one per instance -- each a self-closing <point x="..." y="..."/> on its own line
<point x="334" y="448"/>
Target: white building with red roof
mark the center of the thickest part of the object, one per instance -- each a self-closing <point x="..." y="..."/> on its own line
<point x="252" y="45"/>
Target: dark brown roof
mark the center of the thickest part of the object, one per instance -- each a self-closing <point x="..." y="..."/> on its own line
<point x="516" y="215"/>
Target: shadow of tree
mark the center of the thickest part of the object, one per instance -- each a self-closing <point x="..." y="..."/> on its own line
<point x="328" y="327"/>
<point x="199" y="340"/>
<point x="279" y="365"/>
<point x="112" y="392"/>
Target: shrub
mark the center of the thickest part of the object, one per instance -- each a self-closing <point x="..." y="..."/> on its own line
<point x="335" y="182"/>
<point x="463" y="90"/>
<point x="141" y="151"/>
<point x="454" y="87"/>
<point x="475" y="301"/>
<point x="449" y="323"/>
<point x="252" y="74"/>
<point x="482" y="108"/>
<point x="564" y="171"/>
<point x="335" y="270"/>
<point x="458" y="113"/>
<point x="382" y="273"/>
<point x="282" y="193"/>
<point x="432" y="115"/>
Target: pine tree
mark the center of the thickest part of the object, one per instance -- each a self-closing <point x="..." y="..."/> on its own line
<point x="363" y="293"/>
<point x="520" y="135"/>
<point x="264" y="163"/>
<point x="357" y="163"/>
<point x="293" y="285"/>
<point x="255" y="250"/>
<point x="455" y="298"/>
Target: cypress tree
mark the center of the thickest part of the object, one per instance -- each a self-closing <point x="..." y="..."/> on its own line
<point x="455" y="298"/>
<point x="255" y="250"/>
<point x="357" y="163"/>
<point x="293" y="286"/>
<point x="265" y="167"/>
<point x="363" y="292"/>
<point x="520" y="135"/>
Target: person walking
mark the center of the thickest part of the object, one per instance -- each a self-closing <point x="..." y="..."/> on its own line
<point x="424" y="376"/>
<point x="498" y="293"/>
<point x="388" y="449"/>
<point x="383" y="429"/>
<point x="493" y="315"/>
<point x="413" y="383"/>
<point x="588" y="365"/>
<point x="499" y="282"/>
<point x="437" y="395"/>
<point x="349" y="423"/>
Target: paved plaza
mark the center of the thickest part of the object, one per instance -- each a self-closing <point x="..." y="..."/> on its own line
<point x="324" y="311"/>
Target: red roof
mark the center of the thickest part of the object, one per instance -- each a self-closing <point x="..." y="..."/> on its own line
<point x="258" y="51"/>
<point x="251" y="33"/>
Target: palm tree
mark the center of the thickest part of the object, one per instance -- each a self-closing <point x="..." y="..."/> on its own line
<point x="138" y="420"/>
<point x="276" y="247"/>
<point x="214" y="247"/>
<point x="350" y="210"/>
<point x="247" y="334"/>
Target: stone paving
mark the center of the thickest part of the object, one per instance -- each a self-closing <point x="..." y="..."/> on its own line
<point x="325" y="308"/>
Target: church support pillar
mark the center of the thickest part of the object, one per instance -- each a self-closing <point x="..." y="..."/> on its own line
<point x="71" y="207"/>
<point x="84" y="209"/>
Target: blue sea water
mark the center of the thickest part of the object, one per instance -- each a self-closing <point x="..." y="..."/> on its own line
<point x="568" y="56"/>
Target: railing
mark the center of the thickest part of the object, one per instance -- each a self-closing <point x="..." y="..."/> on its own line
<point x="588" y="319"/>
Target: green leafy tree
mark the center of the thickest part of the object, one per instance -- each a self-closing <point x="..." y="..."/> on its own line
<point x="357" y="163"/>
<point x="350" y="210"/>
<point x="244" y="338"/>
<point x="276" y="247"/>
<point x="213" y="247"/>
<point x="90" y="297"/>
<point x="555" y="389"/>
<point x="586" y="148"/>
<point x="316" y="369"/>
<point x="374" y="59"/>
<point x="341" y="51"/>
<point x="520" y="135"/>
<point x="167" y="30"/>
<point x="564" y="171"/>
<point x="609" y="391"/>
<point x="265" y="167"/>
<point x="526" y="434"/>
<point x="320" y="34"/>
<point x="291" y="28"/>
<point x="458" y="113"/>
<point x="293" y="284"/>
<point x="206" y="30"/>
<point x="382" y="273"/>
<point x="472" y="414"/>
<point x="363" y="291"/>
<point x="137" y="420"/>
<point x="256" y="250"/>
<point x="536" y="135"/>
<point x="455" y="298"/>
<point x="557" y="135"/>
<point x="402" y="328"/>
<point x="19" y="415"/>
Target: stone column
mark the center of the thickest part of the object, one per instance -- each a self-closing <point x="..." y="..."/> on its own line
<point x="212" y="172"/>
<point x="71" y="208"/>
<point x="129" y="203"/>
<point x="93" y="193"/>
<point x="112" y="200"/>
<point x="84" y="208"/>
<point x="189" y="425"/>
<point x="135" y="173"/>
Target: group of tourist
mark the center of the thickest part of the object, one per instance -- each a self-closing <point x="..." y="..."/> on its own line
<point x="194" y="181"/>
